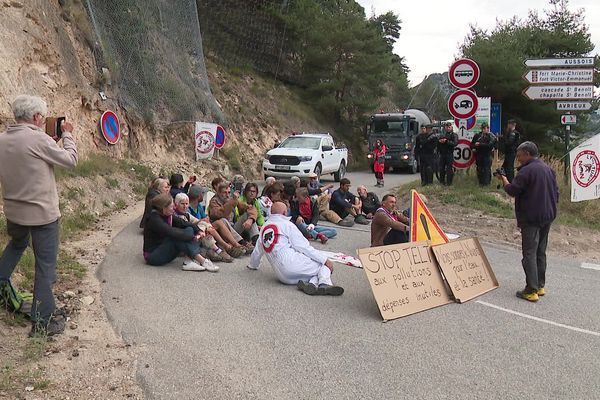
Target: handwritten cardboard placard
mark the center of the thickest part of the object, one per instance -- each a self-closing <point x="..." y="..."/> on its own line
<point x="404" y="278"/>
<point x="466" y="268"/>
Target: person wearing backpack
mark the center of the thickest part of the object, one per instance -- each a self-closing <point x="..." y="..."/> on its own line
<point x="27" y="159"/>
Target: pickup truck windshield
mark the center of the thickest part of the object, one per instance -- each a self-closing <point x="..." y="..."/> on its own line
<point x="298" y="142"/>
<point x="390" y="127"/>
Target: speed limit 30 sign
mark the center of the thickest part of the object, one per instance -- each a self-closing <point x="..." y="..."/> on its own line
<point x="463" y="155"/>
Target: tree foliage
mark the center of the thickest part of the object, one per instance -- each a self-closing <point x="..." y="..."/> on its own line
<point x="557" y="32"/>
<point x="345" y="60"/>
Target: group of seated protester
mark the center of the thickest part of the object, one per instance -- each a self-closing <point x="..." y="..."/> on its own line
<point x="223" y="222"/>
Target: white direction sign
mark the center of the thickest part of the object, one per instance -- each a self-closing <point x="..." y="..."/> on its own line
<point x="573" y="105"/>
<point x="555" y="92"/>
<point x="568" y="119"/>
<point x="571" y="75"/>
<point x="561" y="62"/>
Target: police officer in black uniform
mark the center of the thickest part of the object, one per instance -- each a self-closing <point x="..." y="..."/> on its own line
<point x="483" y="145"/>
<point x="446" y="143"/>
<point x="508" y="143"/>
<point x="424" y="148"/>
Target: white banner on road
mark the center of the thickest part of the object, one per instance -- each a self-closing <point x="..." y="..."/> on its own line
<point x="585" y="170"/>
<point x="204" y="136"/>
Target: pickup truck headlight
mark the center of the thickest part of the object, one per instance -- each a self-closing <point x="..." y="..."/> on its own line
<point x="304" y="158"/>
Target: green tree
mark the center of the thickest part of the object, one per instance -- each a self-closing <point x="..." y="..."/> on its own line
<point x="558" y="32"/>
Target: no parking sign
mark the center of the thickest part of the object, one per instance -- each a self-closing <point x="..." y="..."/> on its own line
<point x="110" y="127"/>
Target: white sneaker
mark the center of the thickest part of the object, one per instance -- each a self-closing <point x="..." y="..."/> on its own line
<point x="189" y="265"/>
<point x="209" y="266"/>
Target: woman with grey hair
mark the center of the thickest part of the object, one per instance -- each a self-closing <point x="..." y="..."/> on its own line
<point x="27" y="160"/>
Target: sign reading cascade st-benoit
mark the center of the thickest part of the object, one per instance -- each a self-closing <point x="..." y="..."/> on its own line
<point x="558" y="92"/>
<point x="466" y="268"/>
<point x="404" y="278"/>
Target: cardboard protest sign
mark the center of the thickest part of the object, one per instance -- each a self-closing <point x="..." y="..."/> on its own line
<point x="422" y="224"/>
<point x="404" y="278"/>
<point x="466" y="268"/>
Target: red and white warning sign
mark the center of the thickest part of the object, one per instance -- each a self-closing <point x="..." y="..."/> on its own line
<point x="463" y="155"/>
<point x="464" y="73"/>
<point x="463" y="104"/>
<point x="585" y="169"/>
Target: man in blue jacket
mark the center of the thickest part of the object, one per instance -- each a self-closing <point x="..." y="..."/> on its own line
<point x="536" y="196"/>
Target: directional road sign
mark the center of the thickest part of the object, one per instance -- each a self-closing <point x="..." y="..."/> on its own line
<point x="568" y="119"/>
<point x="557" y="92"/>
<point x="110" y="128"/>
<point x="573" y="105"/>
<point x="571" y="75"/>
<point x="463" y="104"/>
<point x="464" y="73"/>
<point x="561" y="62"/>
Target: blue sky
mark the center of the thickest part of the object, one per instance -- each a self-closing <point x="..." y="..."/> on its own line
<point x="432" y="30"/>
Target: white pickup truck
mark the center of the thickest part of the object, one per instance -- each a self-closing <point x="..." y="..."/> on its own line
<point x="299" y="155"/>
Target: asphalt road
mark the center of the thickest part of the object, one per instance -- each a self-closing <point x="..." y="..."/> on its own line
<point x="240" y="334"/>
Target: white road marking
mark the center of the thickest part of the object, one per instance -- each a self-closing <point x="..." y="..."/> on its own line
<point x="573" y="328"/>
<point x="590" y="266"/>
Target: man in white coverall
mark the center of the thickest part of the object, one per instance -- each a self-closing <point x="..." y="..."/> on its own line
<point x="293" y="259"/>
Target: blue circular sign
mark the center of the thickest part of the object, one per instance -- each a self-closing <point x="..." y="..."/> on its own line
<point x="110" y="128"/>
<point x="219" y="137"/>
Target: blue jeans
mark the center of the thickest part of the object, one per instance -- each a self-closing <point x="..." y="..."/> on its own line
<point x="171" y="248"/>
<point x="329" y="232"/>
<point x="44" y="240"/>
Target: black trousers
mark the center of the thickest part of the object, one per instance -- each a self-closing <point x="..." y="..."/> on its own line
<point x="534" y="243"/>
<point x="426" y="165"/>
<point x="446" y="168"/>
<point x="484" y="170"/>
<point x="509" y="165"/>
<point x="395" y="237"/>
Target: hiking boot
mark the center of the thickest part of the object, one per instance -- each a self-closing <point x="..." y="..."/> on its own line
<point x="54" y="327"/>
<point x="213" y="256"/>
<point x="529" y="296"/>
<point x="209" y="266"/>
<point x="236" y="252"/>
<point x="189" y="265"/>
<point x="361" y="219"/>
<point x="307" y="287"/>
<point x="541" y="291"/>
<point x="347" y="222"/>
<point x="322" y="238"/>
<point x="330" y="290"/>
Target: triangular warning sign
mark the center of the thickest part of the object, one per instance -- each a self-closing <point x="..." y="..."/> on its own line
<point x="422" y="224"/>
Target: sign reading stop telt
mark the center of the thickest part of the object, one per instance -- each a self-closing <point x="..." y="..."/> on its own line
<point x="463" y="104"/>
<point x="464" y="73"/>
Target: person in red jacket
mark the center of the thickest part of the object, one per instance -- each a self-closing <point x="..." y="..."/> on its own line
<point x="379" y="163"/>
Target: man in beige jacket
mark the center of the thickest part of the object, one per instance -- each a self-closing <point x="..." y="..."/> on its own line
<point x="27" y="159"/>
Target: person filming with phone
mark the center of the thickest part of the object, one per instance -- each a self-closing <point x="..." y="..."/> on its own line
<point x="28" y="156"/>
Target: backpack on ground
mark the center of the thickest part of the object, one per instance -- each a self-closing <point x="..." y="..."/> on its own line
<point x="13" y="300"/>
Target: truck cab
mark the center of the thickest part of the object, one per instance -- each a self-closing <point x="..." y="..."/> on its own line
<point x="398" y="131"/>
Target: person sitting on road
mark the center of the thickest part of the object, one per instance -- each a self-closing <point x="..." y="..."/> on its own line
<point x="292" y="257"/>
<point x="268" y="182"/>
<point x="272" y="194"/>
<point x="210" y="194"/>
<point x="288" y="194"/>
<point x="158" y="186"/>
<point x="221" y="208"/>
<point x="248" y="214"/>
<point x="295" y="181"/>
<point x="370" y="201"/>
<point x="177" y="185"/>
<point x="346" y="205"/>
<point x="389" y="225"/>
<point x="237" y="185"/>
<point x="316" y="188"/>
<point x="166" y="236"/>
<point x="209" y="241"/>
<point x="226" y="240"/>
<point x="305" y="214"/>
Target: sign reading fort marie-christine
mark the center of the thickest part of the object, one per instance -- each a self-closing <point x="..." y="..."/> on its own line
<point x="404" y="278"/>
<point x="466" y="268"/>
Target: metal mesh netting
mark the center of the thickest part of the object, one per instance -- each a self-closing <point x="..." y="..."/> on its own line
<point x="153" y="50"/>
<point x="249" y="33"/>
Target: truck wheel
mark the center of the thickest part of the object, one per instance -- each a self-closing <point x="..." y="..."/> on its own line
<point x="414" y="167"/>
<point x="318" y="170"/>
<point x="340" y="172"/>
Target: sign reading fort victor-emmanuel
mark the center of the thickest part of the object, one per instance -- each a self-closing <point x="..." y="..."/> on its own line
<point x="404" y="278"/>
